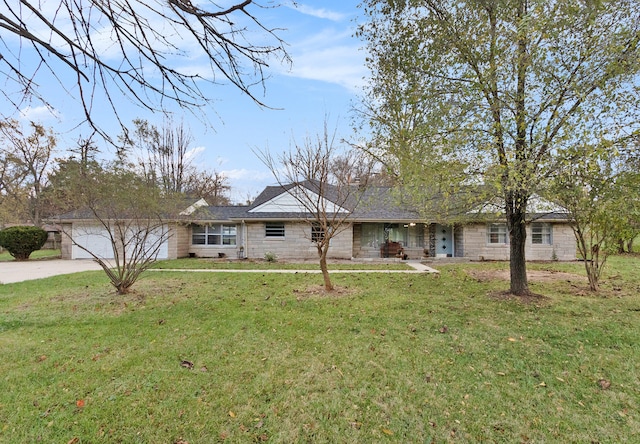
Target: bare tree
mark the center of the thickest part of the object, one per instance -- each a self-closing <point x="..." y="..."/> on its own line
<point x="308" y="173"/>
<point x="165" y="157"/>
<point x="25" y="164"/>
<point x="161" y="154"/>
<point x="99" y="51"/>
<point x="211" y="186"/>
<point x="133" y="223"/>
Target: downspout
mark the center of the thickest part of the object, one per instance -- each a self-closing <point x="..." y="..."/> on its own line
<point x="244" y="239"/>
<point x="453" y="241"/>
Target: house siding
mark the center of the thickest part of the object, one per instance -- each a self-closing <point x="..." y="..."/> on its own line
<point x="458" y="241"/>
<point x="179" y="241"/>
<point x="65" y="243"/>
<point x="476" y="247"/>
<point x="296" y="243"/>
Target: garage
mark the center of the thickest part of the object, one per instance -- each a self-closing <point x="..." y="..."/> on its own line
<point x="96" y="239"/>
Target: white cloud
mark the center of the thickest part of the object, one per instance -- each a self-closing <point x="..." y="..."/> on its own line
<point x="242" y="174"/>
<point x="246" y="184"/>
<point x="329" y="56"/>
<point x="321" y="13"/>
<point x="333" y="65"/>
<point x="193" y="153"/>
<point x="39" y="113"/>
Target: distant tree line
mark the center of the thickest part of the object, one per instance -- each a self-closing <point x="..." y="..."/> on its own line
<point x="38" y="181"/>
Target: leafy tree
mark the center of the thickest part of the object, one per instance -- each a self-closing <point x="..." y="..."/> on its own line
<point x="320" y="179"/>
<point x="100" y="51"/>
<point x="25" y="164"/>
<point x="491" y="92"/>
<point x="589" y="186"/>
<point x="21" y="241"/>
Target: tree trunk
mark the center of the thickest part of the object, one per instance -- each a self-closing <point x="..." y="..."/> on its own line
<point x="516" y="224"/>
<point x="517" y="262"/>
<point x="322" y="252"/>
<point x="592" y="275"/>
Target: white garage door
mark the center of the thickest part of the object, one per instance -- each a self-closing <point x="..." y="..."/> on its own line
<point x="96" y="239"/>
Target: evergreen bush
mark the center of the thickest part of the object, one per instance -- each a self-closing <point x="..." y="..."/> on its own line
<point x="21" y="241"/>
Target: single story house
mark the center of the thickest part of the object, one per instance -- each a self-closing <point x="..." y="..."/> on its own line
<point x="379" y="226"/>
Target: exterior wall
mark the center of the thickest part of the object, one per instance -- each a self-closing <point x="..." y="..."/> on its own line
<point x="476" y="247"/>
<point x="65" y="242"/>
<point x="458" y="241"/>
<point x="295" y="244"/>
<point x="179" y="241"/>
<point x="563" y="247"/>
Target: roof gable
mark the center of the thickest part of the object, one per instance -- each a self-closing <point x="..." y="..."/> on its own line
<point x="295" y="198"/>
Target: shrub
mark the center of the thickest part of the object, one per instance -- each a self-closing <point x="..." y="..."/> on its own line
<point x="270" y="257"/>
<point x="21" y="241"/>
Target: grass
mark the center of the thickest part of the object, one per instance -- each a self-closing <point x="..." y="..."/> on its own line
<point x="39" y="254"/>
<point x="253" y="264"/>
<point x="223" y="357"/>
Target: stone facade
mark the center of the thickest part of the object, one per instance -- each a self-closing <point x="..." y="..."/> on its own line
<point x="476" y="245"/>
<point x="296" y="243"/>
<point x="65" y="241"/>
<point x="179" y="241"/>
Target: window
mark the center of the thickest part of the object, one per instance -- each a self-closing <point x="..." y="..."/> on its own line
<point x="497" y="234"/>
<point x="274" y="229"/>
<point x="317" y="233"/>
<point x="218" y="234"/>
<point x="541" y="234"/>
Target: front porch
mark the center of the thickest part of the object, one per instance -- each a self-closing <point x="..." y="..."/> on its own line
<point x="409" y="240"/>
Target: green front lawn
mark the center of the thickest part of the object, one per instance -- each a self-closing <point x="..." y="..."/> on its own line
<point x="223" y="357"/>
<point x="253" y="264"/>
<point x="39" y="254"/>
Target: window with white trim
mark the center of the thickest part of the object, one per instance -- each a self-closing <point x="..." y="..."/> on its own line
<point x="497" y="234"/>
<point x="274" y="229"/>
<point x="215" y="234"/>
<point x="541" y="233"/>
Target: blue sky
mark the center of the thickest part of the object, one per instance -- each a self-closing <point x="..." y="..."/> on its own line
<point x="324" y="80"/>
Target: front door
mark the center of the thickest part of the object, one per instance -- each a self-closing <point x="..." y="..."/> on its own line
<point x="444" y="241"/>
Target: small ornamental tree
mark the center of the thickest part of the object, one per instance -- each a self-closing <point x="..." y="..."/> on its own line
<point x="21" y="241"/>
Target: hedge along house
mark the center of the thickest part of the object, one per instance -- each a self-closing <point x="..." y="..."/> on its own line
<point x="380" y="226"/>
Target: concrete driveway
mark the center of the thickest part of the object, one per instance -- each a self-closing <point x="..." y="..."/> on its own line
<point x="28" y="270"/>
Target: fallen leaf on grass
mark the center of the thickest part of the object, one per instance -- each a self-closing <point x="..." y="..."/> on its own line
<point x="387" y="432"/>
<point x="604" y="384"/>
<point x="232" y="414"/>
<point x="512" y="339"/>
<point x="75" y="440"/>
<point x="444" y="329"/>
